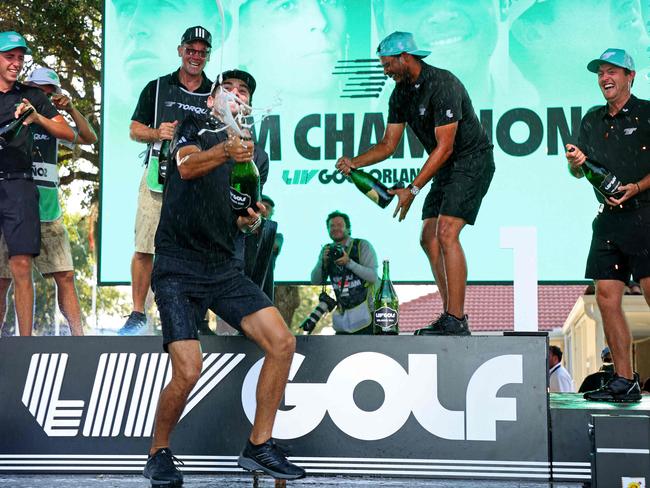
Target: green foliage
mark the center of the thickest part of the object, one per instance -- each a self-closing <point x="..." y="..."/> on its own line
<point x="308" y="301"/>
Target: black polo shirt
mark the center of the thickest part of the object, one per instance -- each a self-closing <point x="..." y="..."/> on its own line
<point x="146" y="107"/>
<point x="620" y="143"/>
<point x="438" y="98"/>
<point x="196" y="220"/>
<point x="17" y="156"/>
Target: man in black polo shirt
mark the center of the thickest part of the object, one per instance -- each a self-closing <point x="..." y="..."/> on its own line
<point x="19" y="216"/>
<point x="195" y="270"/>
<point x="162" y="105"/>
<point x="435" y="104"/>
<point x="617" y="136"/>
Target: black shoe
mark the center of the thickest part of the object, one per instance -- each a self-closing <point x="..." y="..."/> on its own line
<point x="618" y="389"/>
<point x="433" y="328"/>
<point x="270" y="459"/>
<point x="161" y="469"/>
<point x="135" y="324"/>
<point x="447" y="325"/>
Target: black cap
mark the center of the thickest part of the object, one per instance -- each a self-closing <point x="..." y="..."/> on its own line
<point x="240" y="75"/>
<point x="197" y="33"/>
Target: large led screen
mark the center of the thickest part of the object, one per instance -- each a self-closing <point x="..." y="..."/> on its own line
<point x="522" y="62"/>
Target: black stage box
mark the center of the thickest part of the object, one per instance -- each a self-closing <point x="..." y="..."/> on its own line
<point x="467" y="407"/>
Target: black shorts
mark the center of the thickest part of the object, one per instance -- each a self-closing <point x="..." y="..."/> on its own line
<point x="184" y="291"/>
<point x="458" y="189"/>
<point x="620" y="245"/>
<point x="20" y="221"/>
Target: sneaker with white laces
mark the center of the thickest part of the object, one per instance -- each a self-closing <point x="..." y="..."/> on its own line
<point x="136" y="324"/>
<point x="617" y="389"/>
<point x="161" y="468"/>
<point x="270" y="459"/>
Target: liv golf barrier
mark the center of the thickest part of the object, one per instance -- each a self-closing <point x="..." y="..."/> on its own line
<point x="467" y="407"/>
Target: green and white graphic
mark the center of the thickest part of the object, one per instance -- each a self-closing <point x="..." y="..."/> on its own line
<point x="523" y="63"/>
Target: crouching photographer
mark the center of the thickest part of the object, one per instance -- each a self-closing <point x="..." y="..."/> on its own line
<point x="351" y="267"/>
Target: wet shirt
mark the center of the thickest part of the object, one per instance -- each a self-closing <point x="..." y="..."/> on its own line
<point x="17" y="156"/>
<point x="438" y="98"/>
<point x="619" y="143"/>
<point x="196" y="221"/>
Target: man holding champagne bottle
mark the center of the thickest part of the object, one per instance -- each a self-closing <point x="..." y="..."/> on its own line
<point x="195" y="269"/>
<point x="460" y="165"/>
<point x="616" y="136"/>
<point x="21" y="105"/>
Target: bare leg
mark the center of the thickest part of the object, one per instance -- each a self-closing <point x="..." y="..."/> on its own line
<point x="431" y="246"/>
<point x="609" y="296"/>
<point x="268" y="330"/>
<point x="187" y="361"/>
<point x="5" y="283"/>
<point x="21" y="270"/>
<point x="69" y="301"/>
<point x="448" y="233"/>
<point x="141" y="266"/>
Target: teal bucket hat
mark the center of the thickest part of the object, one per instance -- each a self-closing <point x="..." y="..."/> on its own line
<point x="398" y="43"/>
<point x="617" y="57"/>
<point x="11" y="40"/>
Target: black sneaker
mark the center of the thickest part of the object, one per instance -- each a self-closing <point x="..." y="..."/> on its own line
<point x="135" y="324"/>
<point x="161" y="469"/>
<point x="618" y="389"/>
<point x="270" y="459"/>
<point x="446" y="324"/>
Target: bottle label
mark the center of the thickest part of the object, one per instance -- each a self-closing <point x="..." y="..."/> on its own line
<point x="610" y="184"/>
<point x="373" y="195"/>
<point x="386" y="318"/>
<point x="239" y="201"/>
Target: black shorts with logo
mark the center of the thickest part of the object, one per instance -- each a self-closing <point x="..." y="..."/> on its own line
<point x="20" y="222"/>
<point x="458" y="189"/>
<point x="620" y="245"/>
<point x="184" y="290"/>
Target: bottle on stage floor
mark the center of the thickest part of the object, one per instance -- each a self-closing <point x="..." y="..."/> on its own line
<point x="386" y="315"/>
<point x="372" y="187"/>
<point x="13" y="128"/>
<point x="244" y="187"/>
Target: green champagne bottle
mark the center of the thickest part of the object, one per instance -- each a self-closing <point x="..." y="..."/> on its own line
<point x="386" y="316"/>
<point x="604" y="181"/>
<point x="244" y="187"/>
<point x="372" y="187"/>
<point x="163" y="160"/>
<point x="13" y="128"/>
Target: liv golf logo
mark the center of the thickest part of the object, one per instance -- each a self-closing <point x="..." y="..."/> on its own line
<point x="127" y="386"/>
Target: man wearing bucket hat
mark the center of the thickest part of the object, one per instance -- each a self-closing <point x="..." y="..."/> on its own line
<point x="460" y="165"/>
<point x="195" y="270"/>
<point x="616" y="135"/>
<point x="163" y="103"/>
<point x="19" y="217"/>
<point x="55" y="258"/>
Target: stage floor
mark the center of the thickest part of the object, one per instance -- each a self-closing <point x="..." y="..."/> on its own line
<point x="236" y="481"/>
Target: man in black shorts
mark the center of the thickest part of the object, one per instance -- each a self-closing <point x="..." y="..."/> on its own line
<point x="20" y="222"/>
<point x="460" y="165"/>
<point x="616" y="135"/>
<point x="194" y="270"/>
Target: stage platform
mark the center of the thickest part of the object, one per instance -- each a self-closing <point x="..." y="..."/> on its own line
<point x="417" y="408"/>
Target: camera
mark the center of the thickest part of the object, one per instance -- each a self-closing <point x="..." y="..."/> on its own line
<point x="336" y="251"/>
<point x="325" y="304"/>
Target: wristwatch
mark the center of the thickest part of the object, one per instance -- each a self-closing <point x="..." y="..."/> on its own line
<point x="413" y="189"/>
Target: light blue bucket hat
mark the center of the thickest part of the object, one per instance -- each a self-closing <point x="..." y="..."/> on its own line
<point x="398" y="43"/>
<point x="617" y="57"/>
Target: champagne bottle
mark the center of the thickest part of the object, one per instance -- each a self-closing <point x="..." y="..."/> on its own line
<point x="372" y="187"/>
<point x="244" y="187"/>
<point x="13" y="128"/>
<point x="603" y="180"/>
<point x="163" y="160"/>
<point x="386" y="316"/>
